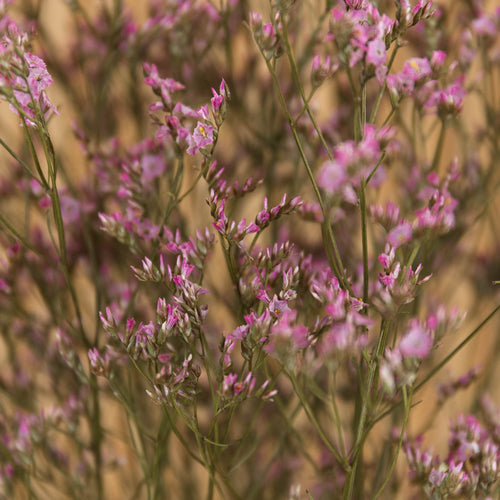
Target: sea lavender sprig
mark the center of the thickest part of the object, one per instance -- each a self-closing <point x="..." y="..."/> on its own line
<point x="154" y="297"/>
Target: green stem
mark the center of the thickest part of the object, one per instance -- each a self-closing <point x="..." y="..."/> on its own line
<point x="372" y="173"/>
<point x="363" y="108"/>
<point x="315" y="423"/>
<point x="380" y="94"/>
<point x="187" y="447"/>
<point x="18" y="159"/>
<point x="160" y="458"/>
<point x="21" y="238"/>
<point x="336" y="262"/>
<point x="357" y="118"/>
<point x="34" y="155"/>
<point x="457" y="349"/>
<point x="364" y="238"/>
<point x="190" y="189"/>
<point x="362" y="426"/>
<point x="407" y="404"/>
<point x="176" y="186"/>
<point x="338" y="423"/>
<point x="441" y="365"/>
<point x="439" y="147"/>
<point x="97" y="438"/>
<point x="295" y="73"/>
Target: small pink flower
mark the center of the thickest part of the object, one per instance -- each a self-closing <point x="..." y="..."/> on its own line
<point x="438" y="58"/>
<point x="202" y="136"/>
<point x="164" y="86"/>
<point x="38" y="78"/>
<point x="320" y="71"/>
<point x="416" y="342"/>
<point x="376" y="55"/>
<point x="278" y="307"/>
<point x="401" y="234"/>
<point x="164" y="358"/>
<point x="484" y="26"/>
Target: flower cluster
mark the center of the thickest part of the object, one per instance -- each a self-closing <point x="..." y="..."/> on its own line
<point x="352" y="162"/>
<point x="399" y="366"/>
<point x="235" y="266"/>
<point x="471" y="467"/>
<point x="23" y="76"/>
<point x="191" y="139"/>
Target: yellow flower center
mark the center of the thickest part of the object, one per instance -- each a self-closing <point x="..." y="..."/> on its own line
<point x="415" y="66"/>
<point x="202" y="131"/>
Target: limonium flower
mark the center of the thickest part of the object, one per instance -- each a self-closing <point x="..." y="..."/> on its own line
<point x="416" y="342"/>
<point x="203" y="135"/>
<point x="107" y="269"/>
<point x="399" y="235"/>
<point x="24" y="78"/>
<point x="354" y="161"/>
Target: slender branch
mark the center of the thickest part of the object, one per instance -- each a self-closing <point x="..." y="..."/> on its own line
<point x="336" y="262"/>
<point x="364" y="238"/>
<point x="457" y="349"/>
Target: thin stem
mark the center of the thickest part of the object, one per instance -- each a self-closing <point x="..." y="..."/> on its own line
<point x="18" y="159"/>
<point x="254" y="241"/>
<point x="190" y="189"/>
<point x="315" y="423"/>
<point x="380" y="94"/>
<point x="407" y="404"/>
<point x="363" y="108"/>
<point x="187" y="447"/>
<point x="357" y="115"/>
<point x="372" y="173"/>
<point x="361" y="427"/>
<point x="295" y="72"/>
<point x="31" y="146"/>
<point x="21" y="238"/>
<point x="441" y="365"/>
<point x="336" y="262"/>
<point x="460" y="346"/>
<point x="338" y="422"/>
<point x="160" y="457"/>
<point x="97" y="437"/>
<point x="364" y="238"/>
<point x="439" y="147"/>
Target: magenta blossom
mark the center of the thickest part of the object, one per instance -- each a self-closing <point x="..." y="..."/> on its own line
<point x="202" y="136"/>
<point x="416" y="342"/>
<point x="401" y="234"/>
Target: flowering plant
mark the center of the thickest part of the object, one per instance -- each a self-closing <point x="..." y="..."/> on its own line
<point x="238" y="248"/>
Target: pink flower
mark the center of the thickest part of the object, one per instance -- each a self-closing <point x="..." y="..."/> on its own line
<point x="484" y="26"/>
<point x="219" y="98"/>
<point x="202" y="136"/>
<point x="164" y="86"/>
<point x="376" y="55"/>
<point x="386" y="259"/>
<point x="416" y="342"/>
<point x="231" y="385"/>
<point x="29" y="90"/>
<point x="417" y="68"/>
<point x="287" y="339"/>
<point x="278" y="307"/>
<point x="389" y="278"/>
<point x="401" y="234"/>
<point x="415" y="71"/>
<point x="437" y="60"/>
<point x="332" y="176"/>
<point x="38" y="78"/>
<point x="448" y="101"/>
<point x="153" y="167"/>
<point x="354" y="161"/>
<point x="320" y="71"/>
